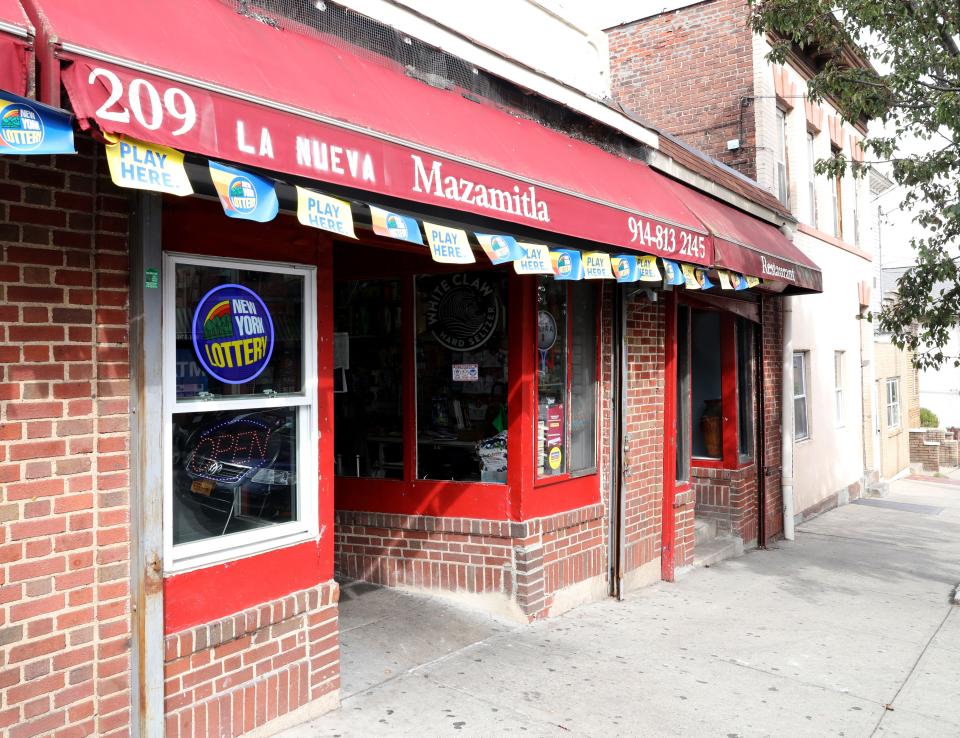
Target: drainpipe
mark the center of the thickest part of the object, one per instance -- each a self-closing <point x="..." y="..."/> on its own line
<point x="786" y="432"/>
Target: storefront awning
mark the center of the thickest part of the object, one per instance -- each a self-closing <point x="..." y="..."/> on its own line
<point x="749" y="246"/>
<point x="16" y="49"/>
<point x="197" y="76"/>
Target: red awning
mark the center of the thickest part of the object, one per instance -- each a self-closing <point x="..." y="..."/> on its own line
<point x="747" y="245"/>
<point x="16" y="49"/>
<point x="197" y="76"/>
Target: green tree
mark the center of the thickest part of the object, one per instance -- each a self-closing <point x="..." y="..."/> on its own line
<point x="914" y="90"/>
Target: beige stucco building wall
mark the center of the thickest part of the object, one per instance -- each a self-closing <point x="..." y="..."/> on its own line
<point x="834" y="459"/>
<point x="893" y="441"/>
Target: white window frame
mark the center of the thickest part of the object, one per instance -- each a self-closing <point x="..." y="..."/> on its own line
<point x="812" y="184"/>
<point x="893" y="405"/>
<point x="856" y="216"/>
<point x="839" y="366"/>
<point x="780" y="154"/>
<point x="804" y="395"/>
<point x="218" y="549"/>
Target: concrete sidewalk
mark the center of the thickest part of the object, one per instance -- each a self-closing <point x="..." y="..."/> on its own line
<point x="847" y="631"/>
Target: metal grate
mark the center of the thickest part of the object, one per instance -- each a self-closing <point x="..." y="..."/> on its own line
<point x="382" y="44"/>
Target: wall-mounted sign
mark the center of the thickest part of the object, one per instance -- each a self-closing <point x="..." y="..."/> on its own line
<point x="394" y="225"/>
<point x="145" y="166"/>
<point x="244" y="195"/>
<point x="27" y="127"/>
<point x="462" y="310"/>
<point x="232" y="333"/>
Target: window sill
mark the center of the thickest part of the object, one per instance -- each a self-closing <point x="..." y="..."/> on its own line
<point x="202" y="560"/>
<point x="834" y="241"/>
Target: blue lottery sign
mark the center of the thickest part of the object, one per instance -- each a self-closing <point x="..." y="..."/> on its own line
<point x="233" y="333"/>
<point x="29" y="127"/>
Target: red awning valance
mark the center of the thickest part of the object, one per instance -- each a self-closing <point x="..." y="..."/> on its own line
<point x="16" y="49"/>
<point x="195" y="75"/>
<point x="750" y="246"/>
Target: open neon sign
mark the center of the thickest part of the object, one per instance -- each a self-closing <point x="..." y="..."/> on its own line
<point x="230" y="450"/>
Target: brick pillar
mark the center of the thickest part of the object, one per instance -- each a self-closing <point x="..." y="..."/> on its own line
<point x="64" y="486"/>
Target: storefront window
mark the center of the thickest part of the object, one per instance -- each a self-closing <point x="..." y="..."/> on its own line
<point x="707" y="398"/>
<point x="566" y="379"/>
<point x="368" y="379"/>
<point x="461" y="379"/>
<point x="239" y="406"/>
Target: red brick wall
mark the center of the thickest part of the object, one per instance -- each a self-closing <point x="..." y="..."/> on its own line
<point x="228" y="677"/>
<point x="772" y="348"/>
<point x="64" y="494"/>
<point x="644" y="428"/>
<point x="526" y="562"/>
<point x="686" y="72"/>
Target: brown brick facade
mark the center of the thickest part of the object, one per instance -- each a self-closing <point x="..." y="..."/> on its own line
<point x="690" y="72"/>
<point x="228" y="677"/>
<point x="64" y="559"/>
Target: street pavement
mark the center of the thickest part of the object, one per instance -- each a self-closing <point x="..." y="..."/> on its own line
<point x="849" y="631"/>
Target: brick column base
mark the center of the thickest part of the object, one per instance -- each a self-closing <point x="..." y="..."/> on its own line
<point x="279" y="659"/>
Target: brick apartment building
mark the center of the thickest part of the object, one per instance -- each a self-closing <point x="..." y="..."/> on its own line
<point x="717" y="92"/>
<point x="180" y="498"/>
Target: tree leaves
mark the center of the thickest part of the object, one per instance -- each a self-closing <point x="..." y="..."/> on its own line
<point x="916" y="93"/>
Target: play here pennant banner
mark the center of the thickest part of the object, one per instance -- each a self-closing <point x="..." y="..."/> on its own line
<point x="394" y="225"/>
<point x="448" y="245"/>
<point x="243" y="195"/>
<point x="324" y="212"/>
<point x="145" y="166"/>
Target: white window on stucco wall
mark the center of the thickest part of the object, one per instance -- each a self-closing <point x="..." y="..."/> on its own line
<point x="893" y="402"/>
<point x="801" y="420"/>
<point x="780" y="153"/>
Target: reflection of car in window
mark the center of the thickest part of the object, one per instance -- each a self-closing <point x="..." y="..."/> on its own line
<point x="232" y="471"/>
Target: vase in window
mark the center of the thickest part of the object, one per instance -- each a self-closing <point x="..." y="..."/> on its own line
<point x="711" y="427"/>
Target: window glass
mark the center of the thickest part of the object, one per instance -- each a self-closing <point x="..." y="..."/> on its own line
<point x="551" y="378"/>
<point x="583" y="382"/>
<point x="240" y="445"/>
<point x="745" y="383"/>
<point x="780" y="151"/>
<point x="233" y="471"/>
<point x="461" y="350"/>
<point x="239" y="332"/>
<point x="893" y="403"/>
<point x="683" y="393"/>
<point x="368" y="379"/>
<point x="707" y="400"/>
<point x="801" y="428"/>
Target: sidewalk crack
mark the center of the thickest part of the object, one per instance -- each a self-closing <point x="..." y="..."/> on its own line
<point x="913" y="668"/>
